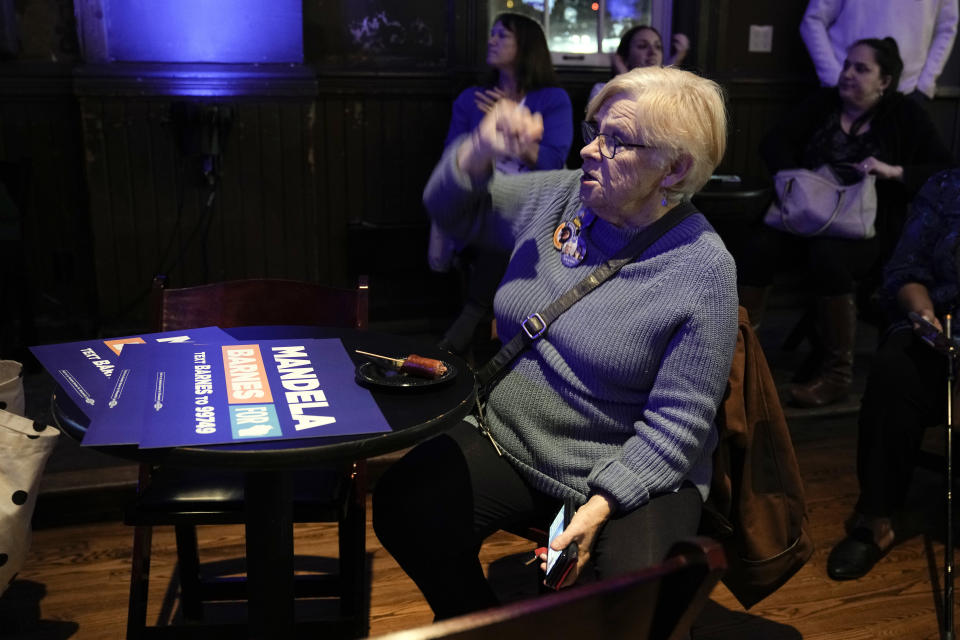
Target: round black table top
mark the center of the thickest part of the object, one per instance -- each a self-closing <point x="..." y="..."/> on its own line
<point x="741" y="200"/>
<point x="412" y="413"/>
<point x="735" y="187"/>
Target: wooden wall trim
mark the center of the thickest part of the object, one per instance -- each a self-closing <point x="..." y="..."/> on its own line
<point x="258" y="81"/>
<point x="200" y="80"/>
<point x="21" y="80"/>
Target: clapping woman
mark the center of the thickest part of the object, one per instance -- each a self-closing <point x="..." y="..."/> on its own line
<point x="520" y="71"/>
<point x="642" y="46"/>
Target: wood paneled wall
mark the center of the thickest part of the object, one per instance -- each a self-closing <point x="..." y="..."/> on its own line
<point x="298" y="175"/>
<point x="40" y="142"/>
<point x="321" y="171"/>
<point x="149" y="202"/>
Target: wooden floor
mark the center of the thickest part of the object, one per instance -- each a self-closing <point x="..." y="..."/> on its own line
<point x="74" y="584"/>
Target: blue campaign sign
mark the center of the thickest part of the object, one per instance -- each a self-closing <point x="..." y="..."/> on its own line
<point x="217" y="394"/>
<point x="85" y="369"/>
<point x="117" y="418"/>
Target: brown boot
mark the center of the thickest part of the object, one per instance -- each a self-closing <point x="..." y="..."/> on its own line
<point x="754" y="300"/>
<point x="837" y="325"/>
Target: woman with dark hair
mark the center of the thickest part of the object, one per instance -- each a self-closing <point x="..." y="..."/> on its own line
<point x="862" y="126"/>
<point x="642" y="46"/>
<point x="520" y="71"/>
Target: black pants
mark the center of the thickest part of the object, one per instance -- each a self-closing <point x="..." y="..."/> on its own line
<point x="433" y="509"/>
<point x="833" y="265"/>
<point x="906" y="393"/>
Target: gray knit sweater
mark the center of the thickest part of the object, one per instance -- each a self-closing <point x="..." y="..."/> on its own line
<point x="619" y="396"/>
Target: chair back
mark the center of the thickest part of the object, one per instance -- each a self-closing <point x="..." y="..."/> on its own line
<point x="658" y="603"/>
<point x="265" y="301"/>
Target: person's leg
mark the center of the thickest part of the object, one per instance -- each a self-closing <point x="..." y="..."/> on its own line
<point x="904" y="394"/>
<point x="764" y="253"/>
<point x="834" y="265"/>
<point x="836" y="324"/>
<point x="433" y="508"/>
<point x="643" y="537"/>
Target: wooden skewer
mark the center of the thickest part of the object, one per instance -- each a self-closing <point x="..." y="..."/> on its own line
<point x="397" y="362"/>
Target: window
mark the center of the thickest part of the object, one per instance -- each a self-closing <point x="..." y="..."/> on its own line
<point x="586" y="32"/>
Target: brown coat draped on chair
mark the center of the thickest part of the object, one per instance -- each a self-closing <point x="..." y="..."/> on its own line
<point x="756" y="505"/>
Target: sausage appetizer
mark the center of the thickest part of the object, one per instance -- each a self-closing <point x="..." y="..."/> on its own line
<point x="414" y="365"/>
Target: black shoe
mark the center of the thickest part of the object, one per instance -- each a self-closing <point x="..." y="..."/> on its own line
<point x="854" y="556"/>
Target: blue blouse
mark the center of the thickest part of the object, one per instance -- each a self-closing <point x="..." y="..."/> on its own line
<point x="927" y="250"/>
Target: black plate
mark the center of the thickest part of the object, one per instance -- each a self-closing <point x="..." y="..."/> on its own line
<point x="374" y="374"/>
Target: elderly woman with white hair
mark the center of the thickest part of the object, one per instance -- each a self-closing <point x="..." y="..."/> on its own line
<point x="613" y="407"/>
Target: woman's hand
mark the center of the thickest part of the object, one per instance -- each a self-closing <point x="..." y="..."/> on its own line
<point x="509" y="130"/>
<point x="881" y="169"/>
<point x="915" y="297"/>
<point x="583" y="529"/>
<point x="679" y="46"/>
<point x="486" y="99"/>
<point x="929" y="316"/>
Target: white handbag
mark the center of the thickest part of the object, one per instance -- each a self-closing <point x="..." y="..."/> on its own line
<point x="24" y="449"/>
<point x="812" y="203"/>
<point x="11" y="387"/>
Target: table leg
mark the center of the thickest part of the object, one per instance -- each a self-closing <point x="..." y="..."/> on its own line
<point x="269" y="532"/>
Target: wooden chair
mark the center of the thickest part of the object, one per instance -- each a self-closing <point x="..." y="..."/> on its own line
<point x="186" y="498"/>
<point x="659" y="603"/>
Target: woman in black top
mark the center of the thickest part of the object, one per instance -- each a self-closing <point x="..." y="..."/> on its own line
<point x="863" y="126"/>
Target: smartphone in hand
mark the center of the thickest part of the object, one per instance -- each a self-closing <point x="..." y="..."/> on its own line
<point x="559" y="563"/>
<point x="929" y="332"/>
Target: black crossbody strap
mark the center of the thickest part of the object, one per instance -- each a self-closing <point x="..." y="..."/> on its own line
<point x="536" y="323"/>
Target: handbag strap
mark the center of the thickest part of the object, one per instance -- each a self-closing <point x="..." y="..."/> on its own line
<point x="818" y="178"/>
<point x="536" y="323"/>
<point x="784" y="213"/>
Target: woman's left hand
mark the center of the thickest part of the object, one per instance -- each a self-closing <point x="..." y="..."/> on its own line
<point x="487" y="98"/>
<point x="583" y="529"/>
<point x="679" y="46"/>
<point x="880" y="169"/>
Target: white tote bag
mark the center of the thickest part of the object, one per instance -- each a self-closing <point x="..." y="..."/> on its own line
<point x="11" y="387"/>
<point x="813" y="203"/>
<point x="24" y="449"/>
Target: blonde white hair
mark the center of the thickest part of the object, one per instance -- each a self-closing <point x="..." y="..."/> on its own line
<point x="679" y="113"/>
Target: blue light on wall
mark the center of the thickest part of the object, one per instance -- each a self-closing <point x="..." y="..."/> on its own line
<point x="636" y="12"/>
<point x="224" y="31"/>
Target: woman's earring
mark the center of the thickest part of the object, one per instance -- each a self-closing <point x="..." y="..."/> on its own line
<point x="663" y="202"/>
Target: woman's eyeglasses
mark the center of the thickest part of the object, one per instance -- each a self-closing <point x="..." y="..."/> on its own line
<point x="609" y="145"/>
